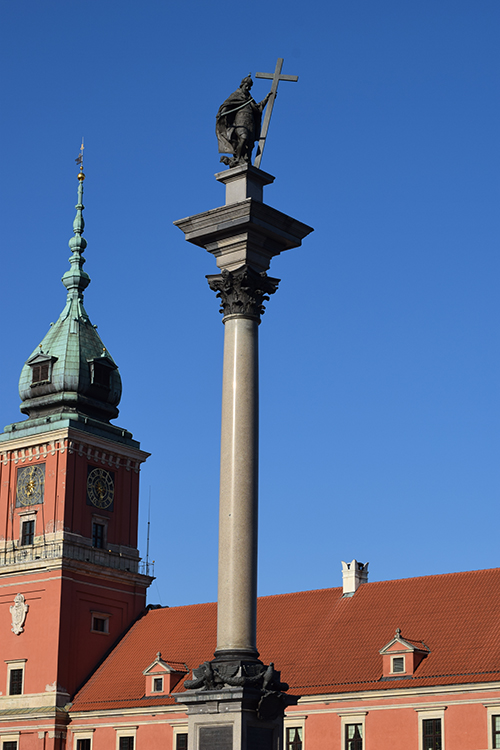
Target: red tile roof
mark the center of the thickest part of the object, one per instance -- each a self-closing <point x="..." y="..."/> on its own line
<point x="322" y="642"/>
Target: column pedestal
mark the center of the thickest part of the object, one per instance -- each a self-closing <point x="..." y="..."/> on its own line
<point x="230" y="719"/>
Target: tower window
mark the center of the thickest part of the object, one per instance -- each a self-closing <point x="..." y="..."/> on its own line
<point x="98" y="535"/>
<point x="40" y="373"/>
<point x="100" y="375"/>
<point x="16" y="682"/>
<point x="41" y="368"/>
<point x="100" y="624"/>
<point x="27" y="532"/>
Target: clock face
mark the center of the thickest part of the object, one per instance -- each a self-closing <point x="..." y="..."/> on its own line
<point x="30" y="485"/>
<point x="100" y="488"/>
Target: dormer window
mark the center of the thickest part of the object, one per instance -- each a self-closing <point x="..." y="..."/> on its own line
<point x="401" y="657"/>
<point x="161" y="677"/>
<point x="100" y="372"/>
<point x="40" y="373"/>
<point x="41" y="369"/>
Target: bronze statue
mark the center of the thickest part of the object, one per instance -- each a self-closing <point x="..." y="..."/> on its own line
<point x="238" y="124"/>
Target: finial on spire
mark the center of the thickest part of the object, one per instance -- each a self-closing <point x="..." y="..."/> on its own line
<point x="76" y="280"/>
<point x="79" y="162"/>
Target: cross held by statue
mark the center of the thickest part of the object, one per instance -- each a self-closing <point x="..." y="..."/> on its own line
<point x="276" y="78"/>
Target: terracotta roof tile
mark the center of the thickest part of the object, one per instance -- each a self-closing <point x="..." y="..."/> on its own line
<point x="323" y="642"/>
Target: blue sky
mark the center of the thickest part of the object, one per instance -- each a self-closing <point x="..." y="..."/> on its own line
<point x="379" y="353"/>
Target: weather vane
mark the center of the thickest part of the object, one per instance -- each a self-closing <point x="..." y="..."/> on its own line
<point x="238" y="122"/>
<point x="79" y="158"/>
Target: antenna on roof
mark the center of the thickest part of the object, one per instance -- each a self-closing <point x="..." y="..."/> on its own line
<point x="149" y="525"/>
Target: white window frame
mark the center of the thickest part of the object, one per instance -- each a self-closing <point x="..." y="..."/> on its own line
<point x="293" y="725"/>
<point x="29" y="515"/>
<point x="178" y="729"/>
<point x="11" y="737"/>
<point x="491" y="711"/>
<point x="435" y="712"/>
<point x="398" y="656"/>
<point x="100" y="616"/>
<point x="126" y="732"/>
<point x="84" y="734"/>
<point x="292" y="721"/>
<point x="357" y="717"/>
<point x="157" y="677"/>
<point x="15" y="664"/>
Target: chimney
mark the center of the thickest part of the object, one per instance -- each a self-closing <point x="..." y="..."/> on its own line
<point x="353" y="575"/>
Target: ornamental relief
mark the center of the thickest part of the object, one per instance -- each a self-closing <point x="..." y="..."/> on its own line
<point x="18" y="610"/>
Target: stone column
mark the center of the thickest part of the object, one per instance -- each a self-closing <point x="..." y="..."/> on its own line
<point x="241" y="293"/>
<point x="235" y="702"/>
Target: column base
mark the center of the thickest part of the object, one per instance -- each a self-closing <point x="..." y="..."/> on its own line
<point x="235" y="718"/>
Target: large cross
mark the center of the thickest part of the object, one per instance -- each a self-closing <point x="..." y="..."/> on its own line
<point x="276" y="78"/>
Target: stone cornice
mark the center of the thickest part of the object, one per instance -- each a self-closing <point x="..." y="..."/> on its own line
<point x="247" y="232"/>
<point x="237" y="217"/>
<point x="384" y="695"/>
<point x="107" y="452"/>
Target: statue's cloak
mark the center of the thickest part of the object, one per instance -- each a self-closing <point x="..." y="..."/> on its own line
<point x="239" y="110"/>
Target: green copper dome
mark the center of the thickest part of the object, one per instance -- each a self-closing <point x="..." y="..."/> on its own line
<point x="71" y="372"/>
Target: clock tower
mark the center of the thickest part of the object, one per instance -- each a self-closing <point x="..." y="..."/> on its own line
<point x="71" y="579"/>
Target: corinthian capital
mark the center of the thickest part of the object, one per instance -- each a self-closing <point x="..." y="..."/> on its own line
<point x="242" y="291"/>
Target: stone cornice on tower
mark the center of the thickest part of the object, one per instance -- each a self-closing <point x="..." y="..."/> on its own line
<point x="23" y="449"/>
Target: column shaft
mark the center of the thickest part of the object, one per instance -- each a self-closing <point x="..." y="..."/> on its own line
<point x="237" y="594"/>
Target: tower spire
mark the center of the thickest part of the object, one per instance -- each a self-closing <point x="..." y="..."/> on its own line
<point x="71" y="373"/>
<point x="76" y="280"/>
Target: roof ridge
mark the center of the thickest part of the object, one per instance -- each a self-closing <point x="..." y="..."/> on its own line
<point x="334" y="588"/>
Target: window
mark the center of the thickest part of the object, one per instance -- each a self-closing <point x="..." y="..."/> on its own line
<point x="9" y="745"/>
<point x="40" y="373"/>
<point x="398" y="664"/>
<point x="125" y="738"/>
<point x="100" y="375"/>
<point x="16" y="682"/>
<point x="431" y="734"/>
<point x="294" y="738"/>
<point x="100" y="372"/>
<point x="495" y="731"/>
<point x="100" y="622"/>
<point x="158" y="685"/>
<point x="85" y="744"/>
<point x="352" y="730"/>
<point x="98" y="535"/>
<point x="353" y="737"/>
<point x="27" y="532"/>
<point x="181" y="741"/>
